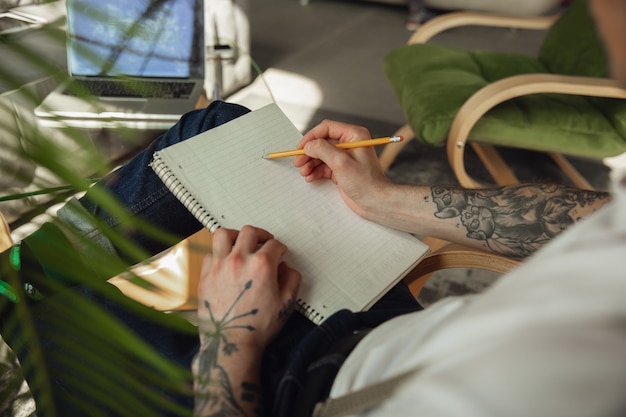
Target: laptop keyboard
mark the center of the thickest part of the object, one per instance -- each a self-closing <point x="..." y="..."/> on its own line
<point x="132" y="88"/>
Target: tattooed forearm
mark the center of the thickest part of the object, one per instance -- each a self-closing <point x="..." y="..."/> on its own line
<point x="515" y="221"/>
<point x="217" y="367"/>
<point x="214" y="393"/>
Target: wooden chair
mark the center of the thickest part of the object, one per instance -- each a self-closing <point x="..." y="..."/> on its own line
<point x="560" y="102"/>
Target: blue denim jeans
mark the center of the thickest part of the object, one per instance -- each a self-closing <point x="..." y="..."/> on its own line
<point x="139" y="189"/>
<point x="286" y="360"/>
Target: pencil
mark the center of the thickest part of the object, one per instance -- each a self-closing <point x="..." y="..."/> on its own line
<point x="343" y="145"/>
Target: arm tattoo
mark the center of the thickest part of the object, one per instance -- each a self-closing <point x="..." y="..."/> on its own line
<point x="287" y="308"/>
<point x="514" y="221"/>
<point x="252" y="394"/>
<point x="214" y="391"/>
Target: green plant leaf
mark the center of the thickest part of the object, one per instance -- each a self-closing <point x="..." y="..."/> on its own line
<point x="109" y="369"/>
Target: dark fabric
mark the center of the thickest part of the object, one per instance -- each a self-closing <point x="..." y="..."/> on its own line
<point x="143" y="194"/>
<point x="303" y="348"/>
<point x="321" y="373"/>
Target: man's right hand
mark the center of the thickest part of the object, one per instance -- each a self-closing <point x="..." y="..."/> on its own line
<point x="356" y="172"/>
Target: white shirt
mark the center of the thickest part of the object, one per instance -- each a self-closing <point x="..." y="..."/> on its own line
<point x="547" y="339"/>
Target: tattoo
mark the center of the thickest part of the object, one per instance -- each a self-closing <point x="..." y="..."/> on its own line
<point x="214" y="392"/>
<point x="287" y="308"/>
<point x="252" y="394"/>
<point x="250" y="391"/>
<point x="514" y="221"/>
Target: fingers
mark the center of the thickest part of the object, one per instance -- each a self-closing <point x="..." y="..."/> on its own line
<point x="341" y="132"/>
<point x="243" y="276"/>
<point x="223" y="240"/>
<point x="320" y="164"/>
<point x="326" y="159"/>
<point x="323" y="150"/>
<point x="248" y="240"/>
<point x="251" y="238"/>
<point x="251" y="252"/>
<point x="289" y="279"/>
<point x="251" y="242"/>
<point x="333" y="132"/>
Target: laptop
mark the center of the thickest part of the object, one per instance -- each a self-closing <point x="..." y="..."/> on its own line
<point x="136" y="64"/>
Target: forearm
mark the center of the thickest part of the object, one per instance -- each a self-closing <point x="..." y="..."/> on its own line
<point x="514" y="220"/>
<point x="227" y="382"/>
<point x="238" y="317"/>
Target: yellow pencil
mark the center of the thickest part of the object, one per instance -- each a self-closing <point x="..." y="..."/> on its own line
<point x="343" y="145"/>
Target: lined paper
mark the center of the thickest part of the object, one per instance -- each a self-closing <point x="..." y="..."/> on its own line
<point x="345" y="261"/>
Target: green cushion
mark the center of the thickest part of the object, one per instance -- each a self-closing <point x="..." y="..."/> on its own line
<point x="433" y="81"/>
<point x="573" y="46"/>
<point x="550" y="122"/>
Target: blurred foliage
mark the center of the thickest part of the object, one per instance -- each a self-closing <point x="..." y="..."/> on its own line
<point x="131" y="377"/>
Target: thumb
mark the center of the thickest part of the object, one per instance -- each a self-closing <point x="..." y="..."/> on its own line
<point x="323" y="150"/>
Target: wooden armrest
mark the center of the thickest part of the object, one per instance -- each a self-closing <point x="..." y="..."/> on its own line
<point x="203" y="101"/>
<point x="456" y="19"/>
<point x="520" y="85"/>
<point x="516" y="86"/>
<point x="454" y="255"/>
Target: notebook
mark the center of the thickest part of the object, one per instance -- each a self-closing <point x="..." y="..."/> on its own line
<point x="136" y="64"/>
<point x="221" y="177"/>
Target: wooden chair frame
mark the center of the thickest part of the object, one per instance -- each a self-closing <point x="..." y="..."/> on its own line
<point x="445" y="255"/>
<point x="495" y="93"/>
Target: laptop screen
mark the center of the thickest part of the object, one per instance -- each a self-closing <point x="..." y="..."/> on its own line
<point x="141" y="38"/>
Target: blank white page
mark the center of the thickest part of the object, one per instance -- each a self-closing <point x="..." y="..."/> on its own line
<point x="345" y="261"/>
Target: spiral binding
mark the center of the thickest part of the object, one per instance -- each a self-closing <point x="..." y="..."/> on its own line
<point x="309" y="312"/>
<point x="199" y="212"/>
<point x="186" y="198"/>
